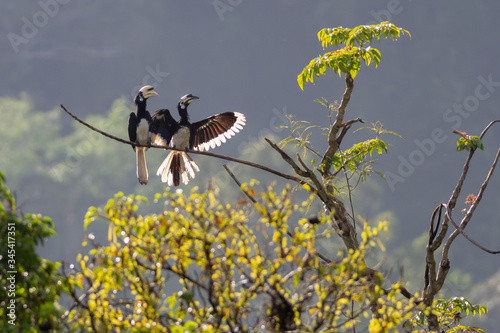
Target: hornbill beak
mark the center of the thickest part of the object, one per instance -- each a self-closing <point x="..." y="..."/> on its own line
<point x="148" y="91"/>
<point x="187" y="99"/>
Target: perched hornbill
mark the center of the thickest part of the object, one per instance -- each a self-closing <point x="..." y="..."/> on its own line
<point x="138" y="130"/>
<point x="201" y="135"/>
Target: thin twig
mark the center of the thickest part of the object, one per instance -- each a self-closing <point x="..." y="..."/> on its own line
<point x="353" y="217"/>
<point x="468" y="216"/>
<point x="435" y="280"/>
<point x="287" y="159"/>
<point x="488" y="127"/>
<point x="460" y="230"/>
<point x="452" y="203"/>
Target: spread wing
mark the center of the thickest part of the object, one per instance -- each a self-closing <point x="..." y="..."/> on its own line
<point x="215" y="130"/>
<point x="162" y="127"/>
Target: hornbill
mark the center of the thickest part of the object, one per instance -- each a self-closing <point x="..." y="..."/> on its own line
<point x="201" y="135"/>
<point x="138" y="130"/>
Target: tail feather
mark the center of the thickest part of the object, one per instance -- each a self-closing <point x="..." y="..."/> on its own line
<point x="142" y="169"/>
<point x="177" y="165"/>
<point x="175" y="168"/>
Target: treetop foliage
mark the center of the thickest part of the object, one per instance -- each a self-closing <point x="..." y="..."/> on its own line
<point x="37" y="282"/>
<point x="202" y="265"/>
<point x="348" y="58"/>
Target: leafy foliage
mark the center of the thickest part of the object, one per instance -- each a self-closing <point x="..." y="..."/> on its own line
<point x="469" y="142"/>
<point x="348" y="59"/>
<point x="353" y="157"/>
<point x="300" y="132"/>
<point x="30" y="284"/>
<point x="201" y="265"/>
<point x="451" y="312"/>
<point x="378" y="129"/>
<point x="353" y="160"/>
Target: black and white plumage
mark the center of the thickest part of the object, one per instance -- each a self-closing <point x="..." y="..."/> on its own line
<point x="138" y="131"/>
<point x="202" y="135"/>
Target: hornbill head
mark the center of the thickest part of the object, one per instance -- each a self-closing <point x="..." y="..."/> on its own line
<point x="186" y="100"/>
<point x="144" y="93"/>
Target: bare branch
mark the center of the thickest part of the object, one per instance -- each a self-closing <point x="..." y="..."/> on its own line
<point x="353" y="216"/>
<point x="227" y="158"/>
<point x="452" y="202"/>
<point x="459" y="229"/>
<point x="248" y="195"/>
<point x="352" y="121"/>
<point x="488" y="127"/>
<point x="468" y="215"/>
<point x="435" y="280"/>
<point x="345" y="127"/>
<point x="458" y="188"/>
<point x="287" y="159"/>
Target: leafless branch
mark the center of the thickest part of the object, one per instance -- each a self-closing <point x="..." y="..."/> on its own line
<point x="287" y="159"/>
<point x="227" y="158"/>
<point x="435" y="275"/>
<point x="345" y="127"/>
<point x="488" y="127"/>
<point x="459" y="230"/>
<point x="468" y="215"/>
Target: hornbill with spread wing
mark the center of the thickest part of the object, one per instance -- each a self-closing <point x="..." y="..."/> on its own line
<point x="138" y="130"/>
<point x="201" y="135"/>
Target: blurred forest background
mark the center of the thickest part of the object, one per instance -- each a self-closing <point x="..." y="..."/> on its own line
<point x="245" y="56"/>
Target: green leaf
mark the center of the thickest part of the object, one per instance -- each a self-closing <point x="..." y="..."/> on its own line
<point x="353" y="157"/>
<point x="354" y="68"/>
<point x="375" y="55"/>
<point x="468" y="142"/>
<point x="348" y="59"/>
<point x="301" y="80"/>
<point x="187" y="296"/>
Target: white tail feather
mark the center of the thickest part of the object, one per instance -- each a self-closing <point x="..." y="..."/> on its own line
<point x="186" y="168"/>
<point x="163" y="169"/>
<point x="142" y="169"/>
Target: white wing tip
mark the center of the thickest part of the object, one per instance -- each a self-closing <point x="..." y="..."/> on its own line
<point x="222" y="138"/>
